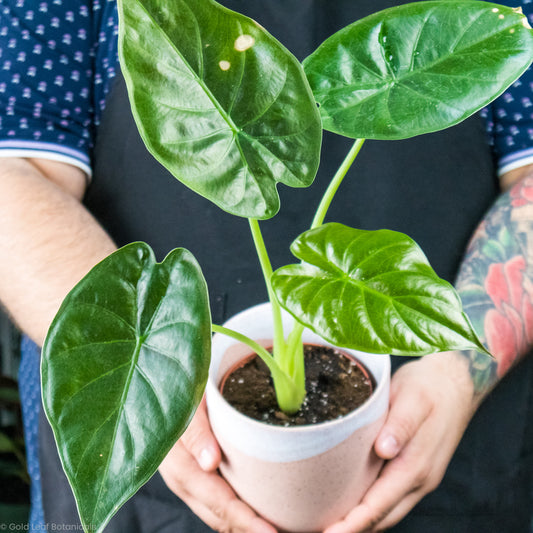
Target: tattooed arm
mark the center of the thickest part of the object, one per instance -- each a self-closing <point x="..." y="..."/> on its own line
<point x="434" y="398"/>
<point x="496" y="281"/>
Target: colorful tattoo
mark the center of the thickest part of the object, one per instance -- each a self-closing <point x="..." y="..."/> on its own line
<point x="496" y="284"/>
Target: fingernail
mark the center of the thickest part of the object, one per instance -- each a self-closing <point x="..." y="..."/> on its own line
<point x="205" y="460"/>
<point x="389" y="446"/>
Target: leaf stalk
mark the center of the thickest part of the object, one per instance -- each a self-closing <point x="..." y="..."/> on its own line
<point x="335" y="183"/>
<point x="289" y="394"/>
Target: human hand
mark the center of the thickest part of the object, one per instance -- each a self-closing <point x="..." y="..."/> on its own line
<point x="432" y="402"/>
<point x="190" y="472"/>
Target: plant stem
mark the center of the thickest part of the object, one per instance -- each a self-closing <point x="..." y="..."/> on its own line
<point x="294" y="341"/>
<point x="295" y="348"/>
<point x="289" y="394"/>
<point x="266" y="267"/>
<point x="322" y="210"/>
<point x="287" y="365"/>
<point x="261" y="351"/>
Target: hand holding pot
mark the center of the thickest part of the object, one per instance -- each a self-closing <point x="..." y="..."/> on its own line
<point x="432" y="402"/>
<point x="190" y="472"/>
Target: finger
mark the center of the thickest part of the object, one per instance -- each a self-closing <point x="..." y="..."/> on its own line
<point x="407" y="414"/>
<point x="209" y="496"/>
<point x="200" y="442"/>
<point x="402" y="476"/>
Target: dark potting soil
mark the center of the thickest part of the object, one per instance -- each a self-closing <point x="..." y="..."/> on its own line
<point x="335" y="384"/>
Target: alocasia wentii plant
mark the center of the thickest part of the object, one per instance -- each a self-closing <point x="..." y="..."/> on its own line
<point x="133" y="338"/>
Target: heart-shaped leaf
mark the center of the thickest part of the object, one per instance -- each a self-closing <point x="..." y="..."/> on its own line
<point x="418" y="67"/>
<point x="124" y="367"/>
<point x="210" y="91"/>
<point x="372" y="291"/>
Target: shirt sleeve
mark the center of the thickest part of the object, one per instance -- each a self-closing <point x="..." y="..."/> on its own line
<point x="47" y="51"/>
<point x="510" y="117"/>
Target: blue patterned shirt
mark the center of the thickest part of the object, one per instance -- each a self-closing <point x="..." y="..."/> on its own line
<point x="58" y="58"/>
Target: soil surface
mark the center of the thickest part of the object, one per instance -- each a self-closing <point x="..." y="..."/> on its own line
<point x="335" y="384"/>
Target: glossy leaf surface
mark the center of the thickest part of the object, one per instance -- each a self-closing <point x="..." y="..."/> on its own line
<point x="124" y="367"/>
<point x="373" y="291"/>
<point x="219" y="102"/>
<point x="418" y="67"/>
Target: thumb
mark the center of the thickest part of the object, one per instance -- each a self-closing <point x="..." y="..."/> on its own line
<point x="407" y="413"/>
<point x="200" y="442"/>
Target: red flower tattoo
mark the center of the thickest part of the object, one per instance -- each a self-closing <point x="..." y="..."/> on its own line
<point x="509" y="327"/>
<point x="522" y="193"/>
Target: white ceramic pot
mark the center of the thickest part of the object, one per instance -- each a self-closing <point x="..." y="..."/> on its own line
<point x="301" y="479"/>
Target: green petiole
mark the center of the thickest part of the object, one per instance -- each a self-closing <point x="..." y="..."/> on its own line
<point x="266" y="268"/>
<point x="287" y="363"/>
<point x="335" y="183"/>
<point x="289" y="394"/>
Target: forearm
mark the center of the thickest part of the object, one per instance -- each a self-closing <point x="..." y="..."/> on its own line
<point x="495" y="283"/>
<point x="49" y="241"/>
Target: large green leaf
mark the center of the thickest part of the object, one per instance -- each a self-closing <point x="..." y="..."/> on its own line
<point x="418" y="68"/>
<point x="373" y="291"/>
<point x="219" y="102"/>
<point x="124" y="367"/>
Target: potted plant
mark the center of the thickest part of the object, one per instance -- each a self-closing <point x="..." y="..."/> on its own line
<point x="133" y="338"/>
<point x="299" y="474"/>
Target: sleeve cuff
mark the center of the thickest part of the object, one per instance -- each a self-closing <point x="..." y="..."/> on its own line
<point x="515" y="160"/>
<point x="53" y="152"/>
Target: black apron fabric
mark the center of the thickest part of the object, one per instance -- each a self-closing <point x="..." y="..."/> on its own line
<point x="435" y="188"/>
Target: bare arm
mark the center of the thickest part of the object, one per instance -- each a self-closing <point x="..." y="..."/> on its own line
<point x="49" y="240"/>
<point x="496" y="282"/>
<point x="434" y="398"/>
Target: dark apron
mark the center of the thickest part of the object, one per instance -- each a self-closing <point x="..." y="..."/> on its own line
<point x="435" y="188"/>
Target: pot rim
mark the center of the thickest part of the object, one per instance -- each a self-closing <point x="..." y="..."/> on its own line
<point x="382" y="382"/>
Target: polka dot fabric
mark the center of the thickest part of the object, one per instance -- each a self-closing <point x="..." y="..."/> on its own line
<point x="57" y="59"/>
<point x="510" y="117"/>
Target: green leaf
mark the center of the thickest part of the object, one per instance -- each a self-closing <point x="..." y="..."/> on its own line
<point x="418" y="67"/>
<point x="372" y="291"/>
<point x="6" y="443"/>
<point x="124" y="367"/>
<point x="210" y="91"/>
